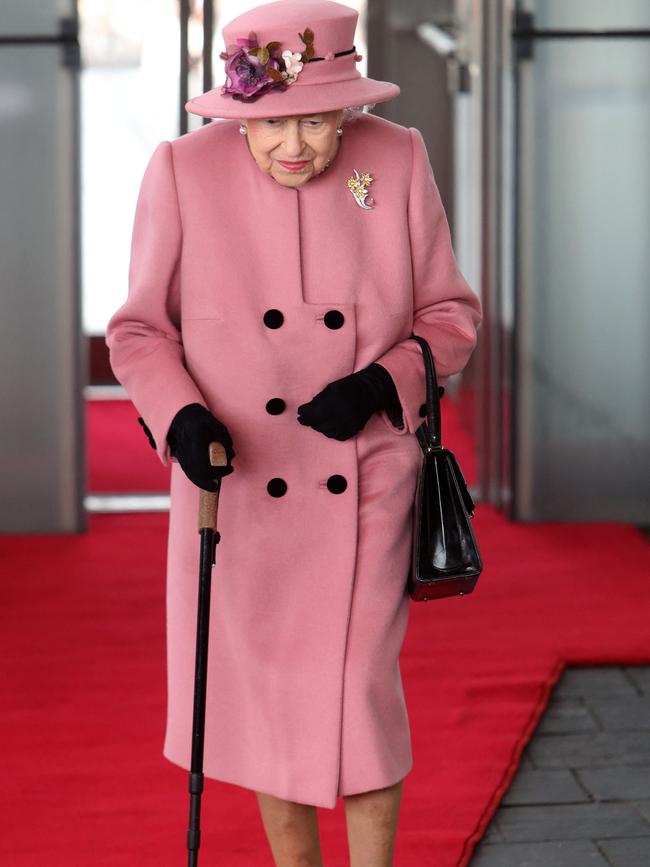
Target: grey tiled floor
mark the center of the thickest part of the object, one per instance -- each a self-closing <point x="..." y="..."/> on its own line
<point x="581" y="796"/>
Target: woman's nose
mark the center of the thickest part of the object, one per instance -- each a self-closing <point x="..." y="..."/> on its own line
<point x="293" y="141"/>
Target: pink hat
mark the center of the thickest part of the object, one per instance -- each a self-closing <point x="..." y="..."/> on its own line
<point x="291" y="57"/>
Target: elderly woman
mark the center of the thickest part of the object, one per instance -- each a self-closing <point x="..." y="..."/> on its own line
<point x="281" y="258"/>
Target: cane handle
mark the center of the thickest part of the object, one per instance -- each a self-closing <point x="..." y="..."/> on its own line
<point x="208" y="500"/>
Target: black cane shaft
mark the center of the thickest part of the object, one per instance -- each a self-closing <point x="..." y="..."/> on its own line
<point x="200" y="684"/>
<point x="201" y="664"/>
<point x="209" y="538"/>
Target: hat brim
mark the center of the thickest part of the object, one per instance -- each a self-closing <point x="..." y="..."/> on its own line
<point x="297" y="99"/>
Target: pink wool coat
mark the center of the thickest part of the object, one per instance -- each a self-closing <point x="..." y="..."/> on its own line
<point x="309" y="605"/>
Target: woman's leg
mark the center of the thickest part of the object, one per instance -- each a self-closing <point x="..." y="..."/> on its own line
<point x="371" y="819"/>
<point x="292" y="831"/>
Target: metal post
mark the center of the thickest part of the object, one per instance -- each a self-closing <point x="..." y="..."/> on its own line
<point x="184" y="14"/>
<point x="208" y="35"/>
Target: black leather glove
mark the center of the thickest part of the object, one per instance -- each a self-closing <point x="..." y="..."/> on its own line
<point x="192" y="430"/>
<point x="344" y="406"/>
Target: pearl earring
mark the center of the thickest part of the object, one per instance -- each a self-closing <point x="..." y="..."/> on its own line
<point x="242" y="129"/>
<point x="339" y="130"/>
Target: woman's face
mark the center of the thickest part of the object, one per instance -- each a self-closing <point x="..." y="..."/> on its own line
<point x="307" y="141"/>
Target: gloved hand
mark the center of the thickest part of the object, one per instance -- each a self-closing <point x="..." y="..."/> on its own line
<point x="344" y="406"/>
<point x="192" y="430"/>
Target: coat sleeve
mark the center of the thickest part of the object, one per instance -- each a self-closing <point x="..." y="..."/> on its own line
<point x="143" y="335"/>
<point x="446" y="312"/>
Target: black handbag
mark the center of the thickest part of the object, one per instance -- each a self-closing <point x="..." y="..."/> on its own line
<point x="446" y="560"/>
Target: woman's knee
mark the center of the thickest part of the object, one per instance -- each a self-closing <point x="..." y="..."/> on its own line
<point x="292" y="831"/>
<point x="379" y="806"/>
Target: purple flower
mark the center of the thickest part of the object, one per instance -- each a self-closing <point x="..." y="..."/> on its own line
<point x="246" y="75"/>
<point x="253" y="69"/>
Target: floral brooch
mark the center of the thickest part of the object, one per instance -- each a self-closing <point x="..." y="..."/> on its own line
<point x="253" y="69"/>
<point x="358" y="186"/>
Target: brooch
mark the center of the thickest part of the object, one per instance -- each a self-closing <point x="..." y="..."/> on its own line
<point x="358" y="187"/>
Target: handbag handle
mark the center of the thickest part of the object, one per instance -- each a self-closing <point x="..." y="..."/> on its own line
<point x="430" y="433"/>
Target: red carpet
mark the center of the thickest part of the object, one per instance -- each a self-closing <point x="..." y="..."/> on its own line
<point x="82" y="665"/>
<point x="119" y="456"/>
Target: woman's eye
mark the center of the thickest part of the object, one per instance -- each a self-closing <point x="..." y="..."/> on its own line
<point x="313" y="123"/>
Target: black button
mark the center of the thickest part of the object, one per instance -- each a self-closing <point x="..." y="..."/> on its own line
<point x="275" y="406"/>
<point x="336" y="484"/>
<point x="277" y="487"/>
<point x="423" y="409"/>
<point x="334" y="319"/>
<point x="441" y="390"/>
<point x="273" y="318"/>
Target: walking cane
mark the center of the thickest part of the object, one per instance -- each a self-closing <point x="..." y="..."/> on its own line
<point x="208" y="504"/>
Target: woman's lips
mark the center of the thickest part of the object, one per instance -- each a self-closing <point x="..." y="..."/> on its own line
<point x="293" y="166"/>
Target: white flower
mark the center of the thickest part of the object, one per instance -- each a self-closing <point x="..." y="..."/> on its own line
<point x="292" y="63"/>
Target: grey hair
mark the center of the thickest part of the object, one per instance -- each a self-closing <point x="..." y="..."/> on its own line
<point x="352" y="112"/>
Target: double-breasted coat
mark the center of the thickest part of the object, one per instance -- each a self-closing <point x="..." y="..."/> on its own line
<point x="250" y="297"/>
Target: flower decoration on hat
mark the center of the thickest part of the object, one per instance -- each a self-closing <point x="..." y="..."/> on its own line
<point x="252" y="69"/>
